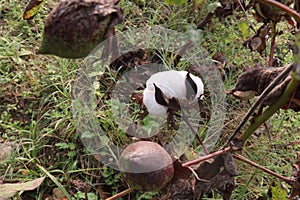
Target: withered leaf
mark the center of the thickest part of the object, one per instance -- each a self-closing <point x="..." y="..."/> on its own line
<point x="220" y="173"/>
<point x="244" y="95"/>
<point x="265" y="12"/>
<point x="258" y="42"/>
<point x="32" y="8"/>
<point x="225" y="9"/>
<point x="183" y="183"/>
<point x="10" y="189"/>
<point x="214" y="174"/>
<point x="81" y="185"/>
<point x="257" y="80"/>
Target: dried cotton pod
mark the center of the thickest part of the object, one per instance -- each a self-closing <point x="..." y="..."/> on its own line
<point x="75" y="27"/>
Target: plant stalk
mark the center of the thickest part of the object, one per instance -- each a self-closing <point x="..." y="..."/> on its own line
<point x="291" y="12"/>
<point x="211" y="155"/>
<point x="120" y="194"/>
<point x="285" y="179"/>
<point x="273" y="38"/>
<point x="186" y="120"/>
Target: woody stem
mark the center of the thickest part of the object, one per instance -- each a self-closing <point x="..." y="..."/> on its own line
<point x="286" y="179"/>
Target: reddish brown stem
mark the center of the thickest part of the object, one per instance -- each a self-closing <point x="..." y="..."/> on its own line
<point x="291" y="12"/>
<point x="121" y="194"/>
<point x="285" y="179"/>
<point x="203" y="158"/>
<point x="273" y="38"/>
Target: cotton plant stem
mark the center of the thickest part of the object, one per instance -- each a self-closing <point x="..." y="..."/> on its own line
<point x="186" y="120"/>
<point x="271" y="86"/>
<point x="209" y="156"/>
<point x="291" y="12"/>
<point x="285" y="179"/>
<point x="121" y="194"/>
<point x="273" y="38"/>
<point x="294" y="83"/>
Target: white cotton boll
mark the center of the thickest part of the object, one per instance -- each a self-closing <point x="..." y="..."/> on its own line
<point x="165" y="81"/>
<point x="197" y="80"/>
<point x="172" y="84"/>
<point x="149" y="101"/>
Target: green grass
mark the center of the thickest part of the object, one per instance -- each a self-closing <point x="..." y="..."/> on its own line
<point x="36" y="99"/>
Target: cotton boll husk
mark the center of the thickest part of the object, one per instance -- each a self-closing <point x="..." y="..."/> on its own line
<point x="146" y="166"/>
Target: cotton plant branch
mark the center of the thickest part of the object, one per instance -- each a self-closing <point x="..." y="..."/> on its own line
<point x="294" y="83"/>
<point x="291" y="12"/>
<point x="281" y="177"/>
<point x="120" y="194"/>
<point x="209" y="156"/>
<point x="296" y="16"/>
<point x="186" y="120"/>
<point x="273" y="38"/>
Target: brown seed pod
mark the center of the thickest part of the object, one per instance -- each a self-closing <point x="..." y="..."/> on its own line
<point x="146" y="166"/>
<point x="75" y="27"/>
<point x="256" y="80"/>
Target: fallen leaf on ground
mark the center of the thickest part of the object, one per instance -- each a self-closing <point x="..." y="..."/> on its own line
<point x="8" y="190"/>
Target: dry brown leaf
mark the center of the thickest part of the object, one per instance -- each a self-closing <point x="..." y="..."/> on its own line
<point x="257" y="79"/>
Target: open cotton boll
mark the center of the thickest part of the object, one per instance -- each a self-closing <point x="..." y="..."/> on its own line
<point x="149" y="101"/>
<point x="197" y="80"/>
<point x="163" y="80"/>
<point x="172" y="84"/>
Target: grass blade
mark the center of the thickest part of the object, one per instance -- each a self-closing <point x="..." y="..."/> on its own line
<point x="57" y="183"/>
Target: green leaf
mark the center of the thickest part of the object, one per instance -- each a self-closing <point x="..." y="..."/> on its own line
<point x="198" y="2"/>
<point x="87" y="135"/>
<point x="32" y="8"/>
<point x="195" y="35"/>
<point x="243" y="27"/>
<point x="62" y="145"/>
<point x="25" y="53"/>
<point x="71" y="154"/>
<point x="80" y="195"/>
<point x="177" y="2"/>
<point x="10" y="189"/>
<point x="72" y="146"/>
<point x="278" y="192"/>
<point x="213" y="6"/>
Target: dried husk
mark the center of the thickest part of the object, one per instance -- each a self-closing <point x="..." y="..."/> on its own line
<point x="75" y="27"/>
<point x="258" y="79"/>
<point x="216" y="174"/>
